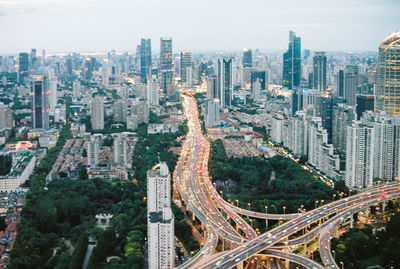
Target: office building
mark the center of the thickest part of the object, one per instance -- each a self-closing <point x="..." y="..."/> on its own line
<point x="212" y="113"/>
<point x="225" y="82"/>
<point x="350" y="84"/>
<point x="212" y="87"/>
<point x="186" y="62"/>
<point x="247" y="58"/>
<point x="145" y="60"/>
<point x="297" y="101"/>
<point x="97" y="114"/>
<point x="167" y="85"/>
<point x="166" y="53"/>
<point x="166" y="66"/>
<point x="160" y="220"/>
<point x="292" y="62"/>
<point x="40" y="91"/>
<point x="23" y="68"/>
<point x="33" y="58"/>
<point x="261" y="76"/>
<point x="340" y="84"/>
<point x="388" y="83"/>
<point x="364" y="103"/>
<point x="319" y="71"/>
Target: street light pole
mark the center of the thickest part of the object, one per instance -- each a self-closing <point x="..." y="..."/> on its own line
<point x="266" y="220"/>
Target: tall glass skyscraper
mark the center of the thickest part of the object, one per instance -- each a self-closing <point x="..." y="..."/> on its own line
<point x="388" y="84"/>
<point x="186" y="62"/>
<point x="247" y="58"/>
<point x="23" y="70"/>
<point x="145" y="59"/>
<point x="319" y="71"/>
<point x="292" y="62"/>
<point x="166" y="53"/>
<point x="166" y="66"/>
<point x="40" y="92"/>
<point x="225" y="82"/>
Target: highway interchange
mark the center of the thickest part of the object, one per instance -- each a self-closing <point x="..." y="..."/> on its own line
<point x="196" y="190"/>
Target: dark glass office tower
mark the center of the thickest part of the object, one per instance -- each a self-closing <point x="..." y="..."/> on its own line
<point x="145" y="59"/>
<point x="350" y="83"/>
<point x="166" y="53"/>
<point x="23" y="70"/>
<point x="261" y="75"/>
<point x="40" y="91"/>
<point x="225" y="82"/>
<point x="319" y="71"/>
<point x="166" y="66"/>
<point x="292" y="62"/>
<point x="364" y="103"/>
<point x="340" y="84"/>
<point x="186" y="62"/>
<point x="247" y="58"/>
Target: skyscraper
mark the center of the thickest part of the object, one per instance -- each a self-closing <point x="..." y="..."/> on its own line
<point x="225" y="82"/>
<point x="388" y="84"/>
<point x="186" y="62"/>
<point x="364" y="103"/>
<point x="319" y="71"/>
<point x="247" y="58"/>
<point x="212" y="87"/>
<point x="261" y="76"/>
<point x="160" y="220"/>
<point x="340" y="84"/>
<point x="40" y="91"/>
<point x="292" y="62"/>
<point x="145" y="59"/>
<point x="23" y="66"/>
<point x="166" y="66"/>
<point x="166" y="53"/>
<point x="350" y="84"/>
<point x="33" y="58"/>
<point x="97" y="114"/>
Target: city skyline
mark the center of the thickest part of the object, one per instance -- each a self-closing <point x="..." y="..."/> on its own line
<point x="100" y="26"/>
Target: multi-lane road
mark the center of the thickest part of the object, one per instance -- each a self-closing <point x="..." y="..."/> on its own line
<point x="221" y="219"/>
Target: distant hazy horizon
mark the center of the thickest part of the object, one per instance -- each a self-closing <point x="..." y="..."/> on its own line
<point x="99" y="25"/>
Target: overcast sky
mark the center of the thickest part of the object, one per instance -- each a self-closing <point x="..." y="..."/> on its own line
<point x="103" y="25"/>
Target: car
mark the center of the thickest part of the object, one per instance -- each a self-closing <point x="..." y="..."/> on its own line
<point x="262" y="243"/>
<point x="237" y="260"/>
